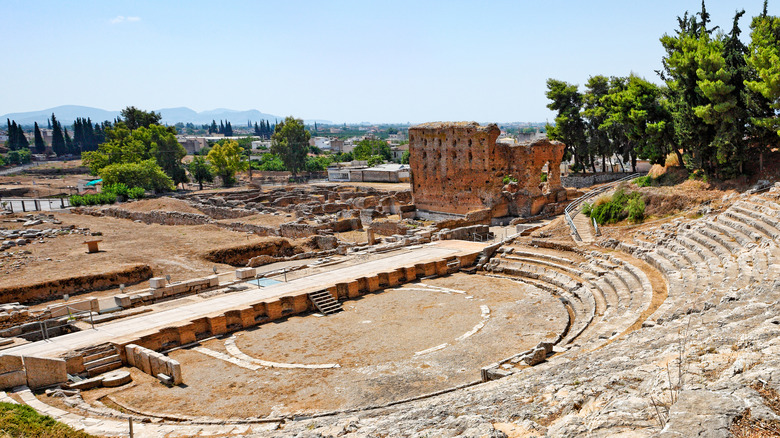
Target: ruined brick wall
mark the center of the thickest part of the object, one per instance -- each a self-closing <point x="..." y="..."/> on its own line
<point x="458" y="167"/>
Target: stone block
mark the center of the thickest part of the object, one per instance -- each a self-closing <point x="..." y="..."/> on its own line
<point x="244" y="273"/>
<point x="13" y="379"/>
<point x="372" y="284"/>
<point x="122" y="300"/>
<point x="186" y="333"/>
<point x="145" y="360"/>
<point x="441" y="268"/>
<point x="130" y="352"/>
<point x="394" y="278"/>
<point x="217" y="325"/>
<point x="382" y="279"/>
<point x="342" y="291"/>
<point x="410" y="273"/>
<point x="158" y="293"/>
<point x="10" y="364"/>
<point x="274" y="309"/>
<point x="536" y="356"/>
<point x="362" y="285"/>
<point x="301" y="303"/>
<point x="44" y="372"/>
<point x="175" y="369"/>
<point x="247" y="316"/>
<point x="353" y="289"/>
<point x="157" y="363"/>
<point x="157" y="282"/>
<point x="213" y="280"/>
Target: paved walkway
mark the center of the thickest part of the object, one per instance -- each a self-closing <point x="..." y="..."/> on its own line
<point x="157" y="320"/>
<point x="584" y="228"/>
<point x="16" y="169"/>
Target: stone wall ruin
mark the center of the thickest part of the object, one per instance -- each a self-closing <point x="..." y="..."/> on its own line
<point x="458" y="167"/>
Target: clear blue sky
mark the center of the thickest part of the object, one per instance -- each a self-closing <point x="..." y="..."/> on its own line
<point x="346" y="61"/>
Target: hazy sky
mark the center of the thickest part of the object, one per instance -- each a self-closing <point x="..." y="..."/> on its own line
<point x="346" y="61"/>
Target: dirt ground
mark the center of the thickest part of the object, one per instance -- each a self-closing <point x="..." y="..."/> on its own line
<point x="374" y="341"/>
<point x="173" y="250"/>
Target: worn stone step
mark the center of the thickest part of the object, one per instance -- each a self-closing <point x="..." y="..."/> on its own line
<point x="104" y="368"/>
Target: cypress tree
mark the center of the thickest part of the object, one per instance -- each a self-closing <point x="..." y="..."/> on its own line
<point x="40" y="145"/>
<point x="228" y="130"/>
<point x="23" y="143"/>
<point x="257" y="130"/>
<point x="72" y="148"/>
<point x="221" y="128"/>
<point x="48" y="123"/>
<point x="57" y="140"/>
<point x="78" y="134"/>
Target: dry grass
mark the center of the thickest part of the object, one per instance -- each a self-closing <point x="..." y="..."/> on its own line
<point x="745" y="426"/>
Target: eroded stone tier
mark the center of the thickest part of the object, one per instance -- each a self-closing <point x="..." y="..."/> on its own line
<point x="459" y="167"/>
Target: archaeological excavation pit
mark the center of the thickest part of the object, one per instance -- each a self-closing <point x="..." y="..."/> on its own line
<point x="404" y="342"/>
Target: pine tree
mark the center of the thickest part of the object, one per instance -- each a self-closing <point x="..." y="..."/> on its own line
<point x="40" y="145"/>
<point x="57" y="140"/>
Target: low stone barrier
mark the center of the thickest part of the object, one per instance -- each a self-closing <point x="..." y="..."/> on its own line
<point x="153" y="363"/>
<point x="35" y="372"/>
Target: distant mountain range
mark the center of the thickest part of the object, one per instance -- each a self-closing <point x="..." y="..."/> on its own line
<point x="67" y="114"/>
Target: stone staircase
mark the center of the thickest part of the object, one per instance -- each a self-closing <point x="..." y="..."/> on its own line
<point x="100" y="359"/>
<point x="325" y="303"/>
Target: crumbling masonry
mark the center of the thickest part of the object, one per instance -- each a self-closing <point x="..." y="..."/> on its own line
<point x="459" y="167"/>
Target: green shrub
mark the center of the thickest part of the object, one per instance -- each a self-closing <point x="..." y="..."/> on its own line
<point x="622" y="205"/>
<point x="607" y="213"/>
<point x="119" y="189"/>
<point x="587" y="208"/>
<point x="636" y="209"/>
<point x="644" y="181"/>
<point x="508" y="179"/>
<point x="544" y="177"/>
<point x="136" y="193"/>
<point x="96" y="199"/>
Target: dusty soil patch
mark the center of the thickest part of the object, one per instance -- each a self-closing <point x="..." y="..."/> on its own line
<point x="177" y="251"/>
<point x="374" y="340"/>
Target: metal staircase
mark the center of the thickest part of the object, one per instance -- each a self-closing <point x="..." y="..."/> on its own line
<point x="325" y="303"/>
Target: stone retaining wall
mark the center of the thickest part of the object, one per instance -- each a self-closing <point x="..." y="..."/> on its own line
<point x="54" y="289"/>
<point x="151" y="217"/>
<point x="579" y="181"/>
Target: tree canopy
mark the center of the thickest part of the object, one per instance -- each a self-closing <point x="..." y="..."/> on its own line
<point x="290" y="142"/>
<point x="135" y="118"/>
<point x="716" y="110"/>
<point x="225" y="158"/>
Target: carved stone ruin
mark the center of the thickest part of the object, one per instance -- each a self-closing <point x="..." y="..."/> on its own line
<point x="458" y="167"/>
